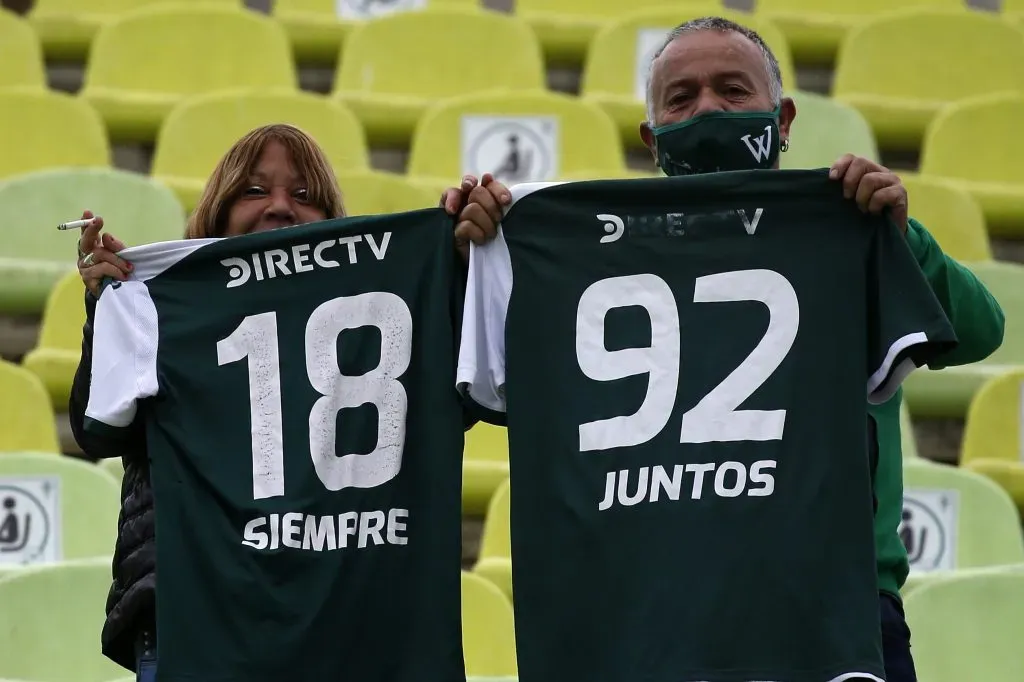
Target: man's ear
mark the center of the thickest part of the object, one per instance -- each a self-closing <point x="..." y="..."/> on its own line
<point x="647" y="135"/>
<point x="787" y="112"/>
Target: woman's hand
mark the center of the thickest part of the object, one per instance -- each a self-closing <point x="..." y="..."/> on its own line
<point x="97" y="255"/>
<point x="478" y="207"/>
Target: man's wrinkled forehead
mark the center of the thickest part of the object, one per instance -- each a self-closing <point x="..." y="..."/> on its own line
<point x="710" y="55"/>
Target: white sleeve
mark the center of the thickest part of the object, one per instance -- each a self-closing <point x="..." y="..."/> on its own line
<point x="124" y="345"/>
<point x="481" y="371"/>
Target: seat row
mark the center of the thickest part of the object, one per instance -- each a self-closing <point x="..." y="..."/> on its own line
<point x="393" y="67"/>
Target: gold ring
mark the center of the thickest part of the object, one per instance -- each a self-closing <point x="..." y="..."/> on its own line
<point x="88" y="261"/>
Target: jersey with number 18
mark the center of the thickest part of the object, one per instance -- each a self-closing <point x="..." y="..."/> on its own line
<point x="305" y="441"/>
<point x="682" y="365"/>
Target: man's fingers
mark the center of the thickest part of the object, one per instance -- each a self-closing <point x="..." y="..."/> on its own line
<point x="891" y="196"/>
<point x="854" y="173"/>
<point x="476" y="214"/>
<point x="481" y="196"/>
<point x="497" y="189"/>
<point x="468" y="231"/>
<point x="838" y="168"/>
<point x="870" y="184"/>
<point x="451" y="201"/>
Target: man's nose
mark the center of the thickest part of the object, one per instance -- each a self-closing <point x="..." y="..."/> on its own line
<point x="707" y="102"/>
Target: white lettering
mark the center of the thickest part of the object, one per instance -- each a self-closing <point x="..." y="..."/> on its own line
<point x="748" y="224"/>
<point x="300" y="259"/>
<point x="252" y="538"/>
<point x="609" y="492"/>
<point x="318" y="257"/>
<point x="319" y="534"/>
<point x="698" y="471"/>
<point x="741" y="479"/>
<point x="350" y="242"/>
<point x="291" y="529"/>
<point x="727" y="480"/>
<point x="394" y="525"/>
<point x="627" y="500"/>
<point x="758" y="476"/>
<point x="277" y="259"/>
<point x="310" y="533"/>
<point x="347" y="525"/>
<point x="660" y="480"/>
<point x="258" y="267"/>
<point x="379" y="251"/>
<point x="275" y="531"/>
<point x="370" y="525"/>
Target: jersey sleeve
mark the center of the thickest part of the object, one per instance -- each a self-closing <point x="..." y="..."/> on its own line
<point x="906" y="325"/>
<point x="481" y="367"/>
<point x="123" y="359"/>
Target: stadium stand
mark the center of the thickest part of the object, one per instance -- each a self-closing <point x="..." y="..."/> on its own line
<point x="825" y="130"/>
<point x="951" y="214"/>
<point x="67" y="27"/>
<point x="555" y="134"/>
<point x="886" y="67"/>
<point x="974" y="142"/>
<point x="141" y="65"/>
<point x="488" y="634"/>
<point x="908" y="438"/>
<point x="495" y="562"/>
<point x="617" y="64"/>
<point x="318" y="28"/>
<point x="969" y="627"/>
<point x="134" y="208"/>
<point x="993" y="441"/>
<point x="59" y="349"/>
<point x="114" y="467"/>
<point x="484" y="466"/>
<point x="199" y="130"/>
<point x="394" y="67"/>
<point x="20" y="53"/>
<point x="26" y="420"/>
<point x="371" y="192"/>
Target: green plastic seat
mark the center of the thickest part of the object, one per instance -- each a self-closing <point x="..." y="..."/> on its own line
<point x="484" y="466"/>
<point x="969" y="627"/>
<point x="20" y="53"/>
<point x="27" y="419"/>
<point x="908" y="438"/>
<point x="50" y="623"/>
<point x="488" y="629"/>
<point x="824" y="130"/>
<point x="36" y="254"/>
<point x="495" y="562"/>
<point x="947" y="393"/>
<point x="113" y="466"/>
<point x="951" y="214"/>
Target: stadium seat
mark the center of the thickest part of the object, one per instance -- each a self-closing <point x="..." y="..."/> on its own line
<point x="955" y="519"/>
<point x="318" y="28"/>
<point x="908" y="437"/>
<point x="81" y="516"/>
<point x="59" y="349"/>
<point x="988" y="163"/>
<point x="201" y="129"/>
<point x="899" y="69"/>
<point x="969" y="627"/>
<point x="43" y="129"/>
<point x="374" y="192"/>
<point x="134" y="208"/>
<point x="520" y="137"/>
<point x="144" y="63"/>
<point x="394" y="67"/>
<point x="67" y="27"/>
<point x="20" y="53"/>
<point x="488" y="630"/>
<point x="618" y="62"/>
<point x="993" y="440"/>
<point x="815" y="28"/>
<point x="947" y="393"/>
<point x="26" y="420"/>
<point x="823" y="131"/>
<point x="951" y="214"/>
<point x="50" y="623"/>
<point x="484" y="466"/>
<point x="495" y="562"/>
<point x="113" y="466"/>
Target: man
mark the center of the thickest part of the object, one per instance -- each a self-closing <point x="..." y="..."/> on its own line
<point x="715" y="103"/>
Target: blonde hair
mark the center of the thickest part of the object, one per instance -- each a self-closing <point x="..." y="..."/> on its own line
<point x="231" y="176"/>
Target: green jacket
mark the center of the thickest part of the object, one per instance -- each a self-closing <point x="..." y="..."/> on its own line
<point x="978" y="322"/>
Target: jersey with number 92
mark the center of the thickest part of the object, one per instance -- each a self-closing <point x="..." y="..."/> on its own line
<point x="682" y="364"/>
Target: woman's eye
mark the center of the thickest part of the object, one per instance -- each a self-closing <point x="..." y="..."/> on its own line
<point x="301" y="194"/>
<point x="254" y="191"/>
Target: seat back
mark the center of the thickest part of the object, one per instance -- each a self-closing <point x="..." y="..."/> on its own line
<point x="20" y="53"/>
<point x="497" y="535"/>
<point x="993" y="428"/>
<point x="824" y="130"/>
<point x="601" y="9"/>
<point x="969" y="627"/>
<point x="26" y="417"/>
<point x="864" y="8"/>
<point x="56" y="508"/>
<point x="977" y="139"/>
<point x="154" y="50"/>
<point x="113" y="8"/>
<point x="43" y="129"/>
<point x="360" y="9"/>
<point x="519" y="137"/>
<point x="51" y="620"/>
<point x="908" y="438"/>
<point x="373" y="192"/>
<point x="64" y="316"/>
<point x="900" y="54"/>
<point x="1006" y="283"/>
<point x="440" y="53"/>
<point x="951" y="214"/>
<point x="487" y="443"/>
<point x="488" y="630"/>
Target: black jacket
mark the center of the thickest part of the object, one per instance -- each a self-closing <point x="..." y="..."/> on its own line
<point x="131" y="601"/>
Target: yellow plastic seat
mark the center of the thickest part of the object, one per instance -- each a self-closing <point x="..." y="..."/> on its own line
<point x="318" y="28"/>
<point x="51" y="620"/>
<point x="20" y="53"/>
<point x="519" y="137"/>
<point x="908" y="437"/>
<point x="824" y="130"/>
<point x="484" y="466"/>
<point x="993" y="441"/>
<point x="947" y="393"/>
<point x="951" y="214"/>
<point x="59" y="349"/>
<point x="488" y="629"/>
<point x="969" y="627"/>
<point x="64" y="509"/>
<point x="143" y="64"/>
<point x="374" y="192"/>
<point x="43" y="129"/>
<point x="37" y="255"/>
<point x="988" y="163"/>
<point x="201" y="129"/>
<point x="393" y="68"/>
<point x="67" y="27"/>
<point x="815" y="28"/>
<point x="26" y="418"/>
<point x="113" y="466"/>
<point x="900" y="70"/>
<point x="618" y="63"/>
<point x="495" y="562"/>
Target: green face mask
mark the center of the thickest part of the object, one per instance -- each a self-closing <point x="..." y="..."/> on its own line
<point x="719" y="141"/>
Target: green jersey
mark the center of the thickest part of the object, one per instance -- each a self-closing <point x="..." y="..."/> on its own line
<point x="682" y="366"/>
<point x="305" y="441"/>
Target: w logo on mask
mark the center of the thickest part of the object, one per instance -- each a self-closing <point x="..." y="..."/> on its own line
<point x="762" y="145"/>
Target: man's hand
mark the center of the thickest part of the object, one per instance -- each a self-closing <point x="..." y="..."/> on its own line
<point x="873" y="186"/>
<point x="478" y="206"/>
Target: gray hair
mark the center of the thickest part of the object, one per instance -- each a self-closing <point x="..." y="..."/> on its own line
<point x="771" y="64"/>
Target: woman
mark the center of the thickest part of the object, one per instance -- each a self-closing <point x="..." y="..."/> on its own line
<point x="274" y="177"/>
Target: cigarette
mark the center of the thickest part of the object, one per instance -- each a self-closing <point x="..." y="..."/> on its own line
<point x="75" y="224"/>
